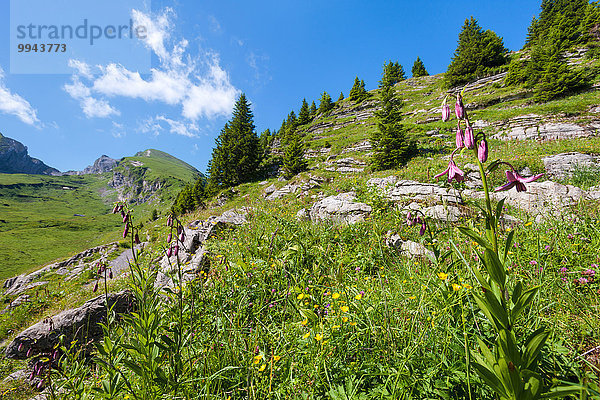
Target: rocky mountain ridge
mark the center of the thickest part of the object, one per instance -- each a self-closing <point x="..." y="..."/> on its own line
<point x="14" y="159"/>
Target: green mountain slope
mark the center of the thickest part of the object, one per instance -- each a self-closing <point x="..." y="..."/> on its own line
<point x="43" y="218"/>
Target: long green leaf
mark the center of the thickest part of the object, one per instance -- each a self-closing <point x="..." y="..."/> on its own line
<point x="489" y="377"/>
<point x="534" y="345"/>
<point x="523" y="301"/>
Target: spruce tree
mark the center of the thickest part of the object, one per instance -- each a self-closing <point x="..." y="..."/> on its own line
<point x="313" y="110"/>
<point x="391" y="146"/>
<point x="358" y="92"/>
<point x="236" y="155"/>
<point x="418" y="69"/>
<point x="478" y="54"/>
<point x="293" y="156"/>
<point x="326" y="104"/>
<point x="561" y="25"/>
<point x="341" y="97"/>
<point x="392" y="74"/>
<point x="304" y="114"/>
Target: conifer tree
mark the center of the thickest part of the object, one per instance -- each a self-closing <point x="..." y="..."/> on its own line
<point x="313" y="110"/>
<point x="392" y="74"/>
<point x="391" y="146"/>
<point x="478" y="53"/>
<point x="418" y="69"/>
<point x="358" y="92"/>
<point x="326" y="104"/>
<point x="341" y="97"/>
<point x="190" y="197"/>
<point x="293" y="156"/>
<point x="561" y="25"/>
<point x="304" y="114"/>
<point x="235" y="157"/>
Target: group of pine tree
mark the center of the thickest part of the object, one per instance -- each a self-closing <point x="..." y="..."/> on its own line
<point x="240" y="155"/>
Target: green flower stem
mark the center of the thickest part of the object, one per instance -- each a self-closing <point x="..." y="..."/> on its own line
<point x="488" y="202"/>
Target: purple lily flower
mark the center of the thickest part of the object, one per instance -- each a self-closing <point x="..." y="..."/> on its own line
<point x="514" y="179"/>
<point x="459" y="108"/>
<point x="459" y="138"/>
<point x="469" y="138"/>
<point x="445" y="112"/>
<point x="409" y="219"/>
<point x="452" y="171"/>
<point x="423" y="228"/>
<point x="482" y="151"/>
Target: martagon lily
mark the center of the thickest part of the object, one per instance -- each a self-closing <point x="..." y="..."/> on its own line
<point x="452" y="171"/>
<point x="516" y="180"/>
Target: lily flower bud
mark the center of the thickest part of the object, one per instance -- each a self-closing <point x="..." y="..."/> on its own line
<point x="170" y="221"/>
<point x="423" y="228"/>
<point x="409" y="219"/>
<point x="459" y="138"/>
<point x="459" y="108"/>
<point x="126" y="230"/>
<point x="445" y="112"/>
<point x="182" y="236"/>
<point x="176" y="249"/>
<point x="169" y="251"/>
<point x="110" y="274"/>
<point x="469" y="138"/>
<point x="136" y="239"/>
<point x="482" y="151"/>
<point x="115" y="209"/>
<point x="125" y="218"/>
<point x="169" y="237"/>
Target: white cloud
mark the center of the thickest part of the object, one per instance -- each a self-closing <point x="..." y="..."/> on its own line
<point x="13" y="104"/>
<point x="91" y="106"/>
<point x="200" y="86"/>
<point x="155" y="125"/>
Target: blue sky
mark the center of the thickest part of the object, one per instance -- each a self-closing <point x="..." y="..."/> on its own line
<point x="204" y="53"/>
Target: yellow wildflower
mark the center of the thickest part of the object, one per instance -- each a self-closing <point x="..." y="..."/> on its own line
<point x="318" y="337"/>
<point x="344" y="319"/>
<point x="307" y="334"/>
<point x="300" y="296"/>
<point x="412" y="297"/>
<point x="344" y="308"/>
<point x="257" y="358"/>
<point x="456" y="287"/>
<point x="353" y="323"/>
<point x="335" y="296"/>
<point x="442" y="275"/>
<point x="304" y="322"/>
<point x="358" y="296"/>
<point x="262" y="368"/>
<point x="276" y="358"/>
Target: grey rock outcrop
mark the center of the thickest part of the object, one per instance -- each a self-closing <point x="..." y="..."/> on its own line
<point x="14" y="159"/>
<point x="541" y="198"/>
<point x="103" y="164"/>
<point x="192" y="256"/>
<point x="416" y="191"/>
<point x="536" y="127"/>
<point x="407" y="247"/>
<point x="346" y="165"/>
<point x="341" y="208"/>
<point x="563" y="165"/>
<point x="80" y="324"/>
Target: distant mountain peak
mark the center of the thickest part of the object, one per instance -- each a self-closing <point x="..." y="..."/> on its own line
<point x="14" y="159"/>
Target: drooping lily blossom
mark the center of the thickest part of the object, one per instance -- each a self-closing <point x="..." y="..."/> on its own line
<point x="445" y="112"/>
<point x="469" y="138"/>
<point x="452" y="171"/>
<point x="482" y="151"/>
<point x="459" y="138"/>
<point x="516" y="180"/>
